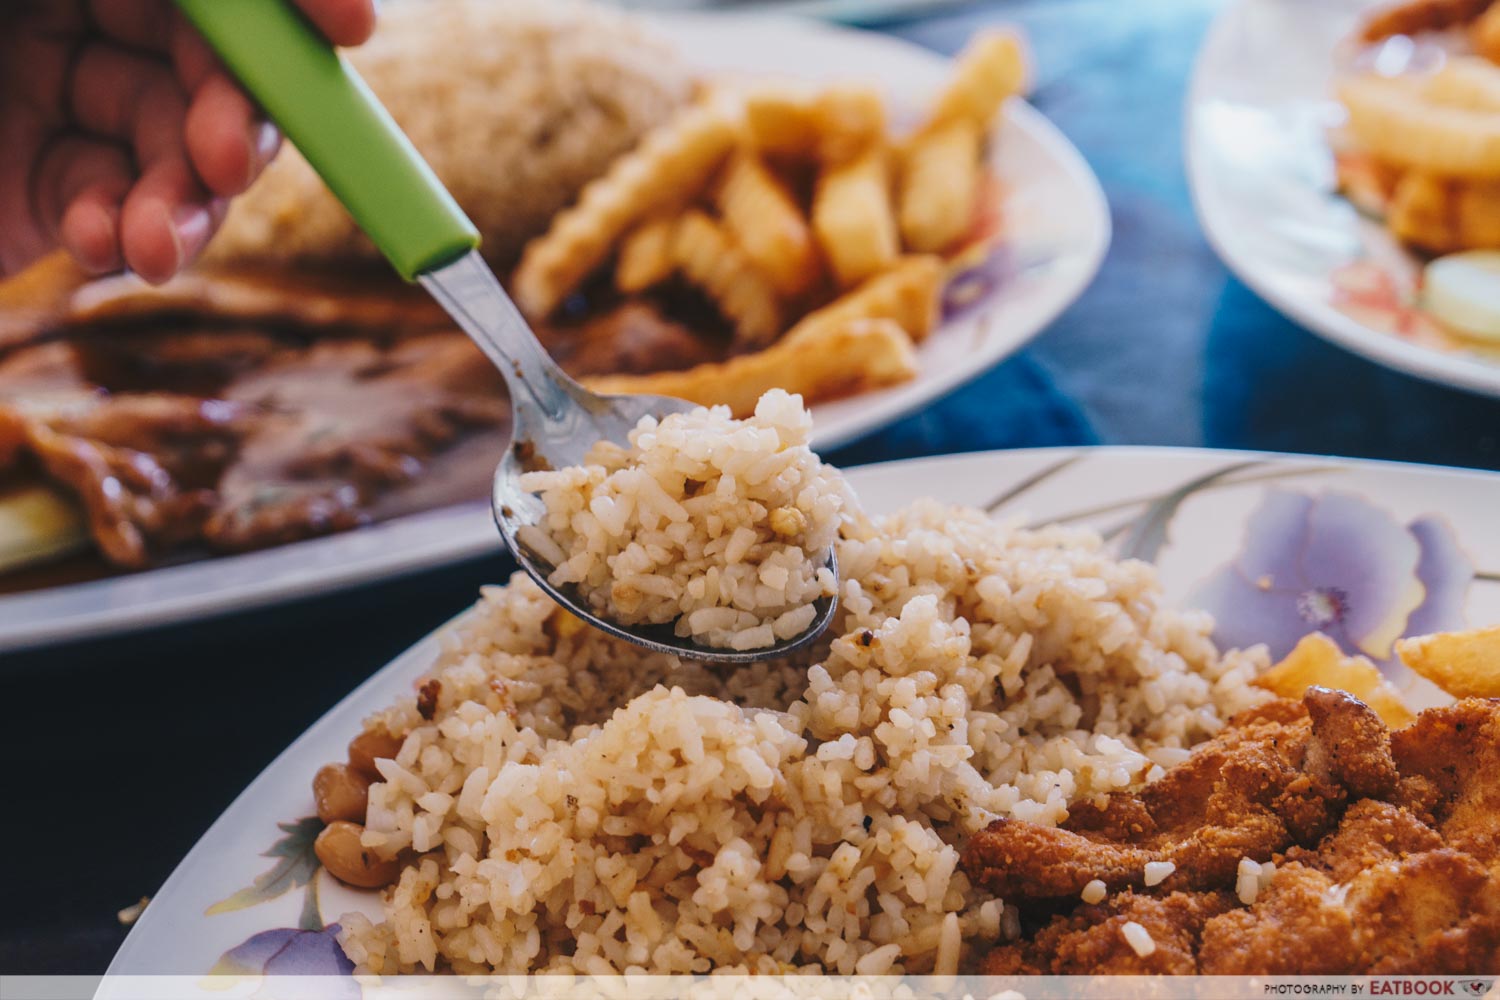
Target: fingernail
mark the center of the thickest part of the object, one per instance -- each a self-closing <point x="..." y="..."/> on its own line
<point x="265" y="138"/>
<point x="191" y="227"/>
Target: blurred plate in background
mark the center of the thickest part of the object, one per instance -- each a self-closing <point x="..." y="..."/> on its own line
<point x="1259" y="113"/>
<point x="1055" y="229"/>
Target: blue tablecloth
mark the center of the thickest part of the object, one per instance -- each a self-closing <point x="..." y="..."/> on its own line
<point x="1164" y="348"/>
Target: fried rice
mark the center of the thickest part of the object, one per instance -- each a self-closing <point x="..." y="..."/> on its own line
<point x="719" y="525"/>
<point x="564" y="801"/>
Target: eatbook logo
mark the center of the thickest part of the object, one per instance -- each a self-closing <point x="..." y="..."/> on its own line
<point x="1476" y="987"/>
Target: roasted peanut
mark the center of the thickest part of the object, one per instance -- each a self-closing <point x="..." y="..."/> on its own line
<point x="370" y="746"/>
<point x="349" y="861"/>
<point x="341" y="792"/>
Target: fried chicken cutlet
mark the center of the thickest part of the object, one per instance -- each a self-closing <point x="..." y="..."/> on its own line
<point x="1386" y="849"/>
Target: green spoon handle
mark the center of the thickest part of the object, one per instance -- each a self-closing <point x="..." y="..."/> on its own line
<point x="340" y="127"/>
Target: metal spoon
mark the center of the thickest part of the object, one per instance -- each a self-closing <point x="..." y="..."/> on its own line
<point x="347" y="136"/>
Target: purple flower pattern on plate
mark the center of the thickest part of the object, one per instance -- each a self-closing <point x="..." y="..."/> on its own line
<point x="287" y="951"/>
<point x="1337" y="564"/>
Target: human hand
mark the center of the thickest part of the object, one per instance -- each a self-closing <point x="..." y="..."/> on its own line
<point x="121" y="134"/>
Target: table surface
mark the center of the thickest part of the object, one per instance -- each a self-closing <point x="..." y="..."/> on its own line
<point x="128" y="750"/>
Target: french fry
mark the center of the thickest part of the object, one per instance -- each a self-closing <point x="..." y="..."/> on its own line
<point x="850" y="121"/>
<point x="1317" y="661"/>
<point x="782" y="123"/>
<point x="852" y="218"/>
<point x="708" y="258"/>
<point x="1393" y="120"/>
<point x="1421" y="213"/>
<point x="1443" y="216"/>
<point x="832" y="126"/>
<point x="646" y="256"/>
<point x="1484" y="34"/>
<point x="939" y="186"/>
<point x="1476" y="214"/>
<point x="991" y="68"/>
<point x="830" y="360"/>
<point x="1464" y="664"/>
<point x="765" y="221"/>
<point x="908" y="294"/>
<point x="669" y="168"/>
<point x="1465" y="82"/>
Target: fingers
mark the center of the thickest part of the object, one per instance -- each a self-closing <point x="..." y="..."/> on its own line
<point x="80" y="185"/>
<point x="141" y="24"/>
<point x="197" y="139"/>
<point x="191" y="54"/>
<point x="22" y="238"/>
<point x="185" y="153"/>
<point x="344" y="22"/>
<point x="125" y="96"/>
<point x="90" y="228"/>
<point x="166" y="220"/>
<point x="227" y="142"/>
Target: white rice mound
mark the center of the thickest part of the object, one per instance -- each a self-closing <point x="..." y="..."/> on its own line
<point x="716" y="524"/>
<point x="573" y="803"/>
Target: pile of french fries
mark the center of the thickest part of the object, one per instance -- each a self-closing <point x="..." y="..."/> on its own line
<point x="818" y="234"/>
<point x="1429" y="153"/>
<point x="1463" y="664"/>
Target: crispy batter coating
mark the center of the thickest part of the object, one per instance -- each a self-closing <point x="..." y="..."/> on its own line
<point x="1371" y="833"/>
<point x="1385" y="846"/>
<point x="1260" y="787"/>
<point x="1093" y="938"/>
<point x="1457" y="750"/>
<point x="1349" y="746"/>
<point x="1433" y="912"/>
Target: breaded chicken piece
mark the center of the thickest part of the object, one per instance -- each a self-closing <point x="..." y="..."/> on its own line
<point x="1435" y="912"/>
<point x="1455" y="750"/>
<point x="1297" y="924"/>
<point x="1093" y="938"/>
<point x="1431" y="913"/>
<point x="1350" y="745"/>
<point x="1302" y="923"/>
<point x="1407" y="882"/>
<point x="1371" y="833"/>
<point x="1271" y="780"/>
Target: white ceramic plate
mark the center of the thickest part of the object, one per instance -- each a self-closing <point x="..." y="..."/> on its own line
<point x="1376" y="529"/>
<point x="1056" y="226"/>
<point x="1262" y="177"/>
